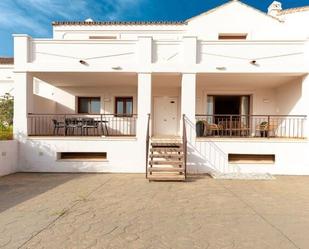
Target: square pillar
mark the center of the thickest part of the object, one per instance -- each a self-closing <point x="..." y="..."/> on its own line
<point x="144" y="53"/>
<point x="190" y="50"/>
<point x="23" y="103"/>
<point x="22" y="50"/>
<point x="304" y="104"/>
<point x="143" y="104"/>
<point x="188" y="96"/>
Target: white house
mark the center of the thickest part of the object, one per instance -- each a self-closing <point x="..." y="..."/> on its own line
<point x="6" y="76"/>
<point x="104" y="96"/>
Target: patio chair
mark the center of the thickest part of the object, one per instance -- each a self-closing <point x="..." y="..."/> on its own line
<point x="57" y="125"/>
<point x="71" y="124"/>
<point x="211" y="128"/>
<point x="89" y="123"/>
<point x="265" y="129"/>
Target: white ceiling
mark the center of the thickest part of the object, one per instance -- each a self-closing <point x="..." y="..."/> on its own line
<point x="166" y="80"/>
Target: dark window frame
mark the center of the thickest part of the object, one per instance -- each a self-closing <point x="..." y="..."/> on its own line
<point x="79" y="98"/>
<point x="124" y="99"/>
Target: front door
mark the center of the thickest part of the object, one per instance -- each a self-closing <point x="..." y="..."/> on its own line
<point x="165" y="116"/>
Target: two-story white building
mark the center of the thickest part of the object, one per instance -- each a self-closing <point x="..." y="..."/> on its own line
<point x="224" y="92"/>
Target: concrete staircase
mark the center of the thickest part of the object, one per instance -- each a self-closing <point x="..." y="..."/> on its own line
<point x="166" y="161"/>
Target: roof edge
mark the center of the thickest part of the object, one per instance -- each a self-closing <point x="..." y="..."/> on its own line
<point x="293" y="10"/>
<point x="99" y="23"/>
<point x="6" y="60"/>
<point x="231" y="2"/>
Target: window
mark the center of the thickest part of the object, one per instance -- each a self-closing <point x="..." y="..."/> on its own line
<point x="124" y="106"/>
<point x="233" y="36"/>
<point x="91" y="105"/>
<point x="228" y="105"/>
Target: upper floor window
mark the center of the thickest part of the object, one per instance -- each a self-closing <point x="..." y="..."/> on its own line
<point x="232" y="36"/>
<point x="124" y="106"/>
<point x="89" y="105"/>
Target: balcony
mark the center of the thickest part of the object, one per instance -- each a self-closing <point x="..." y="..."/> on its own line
<point x="77" y="125"/>
<point x="251" y="126"/>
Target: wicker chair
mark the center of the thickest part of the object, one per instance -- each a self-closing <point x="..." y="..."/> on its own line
<point x="211" y="129"/>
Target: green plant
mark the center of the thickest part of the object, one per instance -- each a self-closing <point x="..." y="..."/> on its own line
<point x="263" y="125"/>
<point x="6" y="111"/>
<point x="6" y="133"/>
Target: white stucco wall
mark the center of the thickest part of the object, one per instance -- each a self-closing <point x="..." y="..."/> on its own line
<point x="6" y="80"/>
<point x="40" y="155"/>
<point x="164" y="60"/>
<point x="8" y="157"/>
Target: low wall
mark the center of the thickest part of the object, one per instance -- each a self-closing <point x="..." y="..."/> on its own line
<point x="124" y="155"/>
<point x="291" y="156"/>
<point x="8" y="157"/>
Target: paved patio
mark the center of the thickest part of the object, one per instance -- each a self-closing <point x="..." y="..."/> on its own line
<point x="125" y="211"/>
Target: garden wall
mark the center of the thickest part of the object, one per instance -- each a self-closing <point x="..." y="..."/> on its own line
<point x="8" y="157"/>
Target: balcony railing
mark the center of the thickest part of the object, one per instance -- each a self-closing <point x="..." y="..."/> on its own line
<point x="268" y="126"/>
<point x="81" y="125"/>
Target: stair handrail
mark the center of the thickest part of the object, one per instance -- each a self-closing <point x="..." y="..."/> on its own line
<point x="184" y="142"/>
<point x="147" y="144"/>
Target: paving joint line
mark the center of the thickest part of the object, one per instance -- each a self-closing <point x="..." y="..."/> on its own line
<point x="261" y="216"/>
<point x="62" y="215"/>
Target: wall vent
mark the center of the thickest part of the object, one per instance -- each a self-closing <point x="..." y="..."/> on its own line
<point x="252" y="158"/>
<point x="82" y="155"/>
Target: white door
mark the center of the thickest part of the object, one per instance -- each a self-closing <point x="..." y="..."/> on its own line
<point x="165" y="116"/>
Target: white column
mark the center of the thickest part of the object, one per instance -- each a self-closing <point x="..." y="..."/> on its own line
<point x="188" y="101"/>
<point x="22" y="51"/>
<point x="23" y="103"/>
<point x="190" y="50"/>
<point x="305" y="104"/>
<point x="144" y="53"/>
<point x="305" y="91"/>
<point x="144" y="104"/>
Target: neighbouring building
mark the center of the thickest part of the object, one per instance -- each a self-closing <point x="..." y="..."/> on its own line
<point x="224" y="92"/>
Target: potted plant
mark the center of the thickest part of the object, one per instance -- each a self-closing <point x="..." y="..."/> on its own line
<point x="200" y="128"/>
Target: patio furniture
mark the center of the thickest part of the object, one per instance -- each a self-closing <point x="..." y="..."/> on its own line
<point x="265" y="129"/>
<point x="89" y="123"/>
<point x="104" y="126"/>
<point x="212" y="128"/>
<point x="57" y="125"/>
<point x="71" y="124"/>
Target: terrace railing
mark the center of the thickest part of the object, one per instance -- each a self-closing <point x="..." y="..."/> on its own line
<point x="276" y="126"/>
<point x="81" y="125"/>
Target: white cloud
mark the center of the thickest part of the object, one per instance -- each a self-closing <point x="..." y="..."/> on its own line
<point x="35" y="15"/>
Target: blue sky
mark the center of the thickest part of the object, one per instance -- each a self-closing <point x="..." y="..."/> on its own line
<point x="34" y="17"/>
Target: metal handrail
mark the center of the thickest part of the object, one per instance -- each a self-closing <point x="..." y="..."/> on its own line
<point x="147" y="144"/>
<point x="57" y="125"/>
<point x="239" y="115"/>
<point x="227" y="125"/>
<point x="184" y="142"/>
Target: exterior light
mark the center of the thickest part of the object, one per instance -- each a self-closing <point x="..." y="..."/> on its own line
<point x="221" y="68"/>
<point x="117" y="68"/>
<point x="83" y="62"/>
<point x="254" y="62"/>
